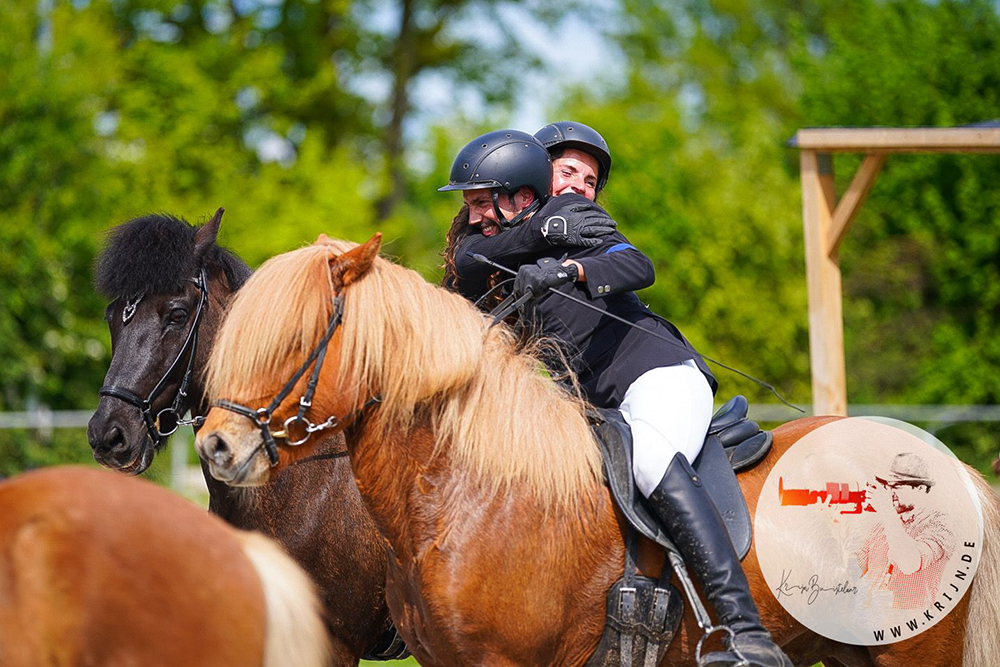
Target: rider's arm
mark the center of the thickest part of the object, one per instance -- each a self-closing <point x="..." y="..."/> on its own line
<point x="509" y="248"/>
<point x="619" y="267"/>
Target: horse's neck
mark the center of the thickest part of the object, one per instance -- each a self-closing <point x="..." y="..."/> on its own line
<point x="224" y="501"/>
<point x="450" y="538"/>
<point x="387" y="470"/>
<point x="404" y="478"/>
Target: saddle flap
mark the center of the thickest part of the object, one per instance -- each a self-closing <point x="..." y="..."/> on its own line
<point x="717" y="475"/>
<point x="615" y="440"/>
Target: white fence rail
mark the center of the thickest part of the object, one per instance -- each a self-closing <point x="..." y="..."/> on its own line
<point x="187" y="479"/>
<point x="184" y="478"/>
<point x="43" y="419"/>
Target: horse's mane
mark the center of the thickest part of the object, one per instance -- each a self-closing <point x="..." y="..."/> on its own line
<point x="155" y="253"/>
<point x="422" y="349"/>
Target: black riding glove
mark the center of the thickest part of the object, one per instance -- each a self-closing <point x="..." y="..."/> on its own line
<point x="579" y="224"/>
<point x="545" y="273"/>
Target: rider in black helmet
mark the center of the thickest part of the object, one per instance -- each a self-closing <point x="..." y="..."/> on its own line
<point x="504" y="162"/>
<point x="505" y="177"/>
<point x="564" y="141"/>
<point x="663" y="390"/>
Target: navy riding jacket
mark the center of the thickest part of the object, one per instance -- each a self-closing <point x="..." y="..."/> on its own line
<point x="607" y="355"/>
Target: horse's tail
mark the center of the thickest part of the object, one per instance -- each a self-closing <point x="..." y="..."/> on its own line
<point x="982" y="624"/>
<point x="295" y="633"/>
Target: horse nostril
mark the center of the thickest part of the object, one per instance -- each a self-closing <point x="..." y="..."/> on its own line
<point x="218" y="450"/>
<point x="114" y="440"/>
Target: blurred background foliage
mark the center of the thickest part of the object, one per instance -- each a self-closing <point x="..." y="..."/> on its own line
<point x="340" y="116"/>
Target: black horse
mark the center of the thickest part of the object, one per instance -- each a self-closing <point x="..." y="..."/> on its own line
<point x="169" y="283"/>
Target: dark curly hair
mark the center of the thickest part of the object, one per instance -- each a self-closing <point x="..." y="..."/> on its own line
<point x="456" y="233"/>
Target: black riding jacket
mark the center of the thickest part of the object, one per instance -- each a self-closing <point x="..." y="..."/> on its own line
<point x="607" y="355"/>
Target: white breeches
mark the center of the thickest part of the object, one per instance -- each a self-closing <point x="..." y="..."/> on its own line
<point x="669" y="410"/>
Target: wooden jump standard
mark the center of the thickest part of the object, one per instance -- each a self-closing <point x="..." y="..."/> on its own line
<point x="826" y="223"/>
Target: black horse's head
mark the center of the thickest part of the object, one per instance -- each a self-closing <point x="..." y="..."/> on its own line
<point x="167" y="281"/>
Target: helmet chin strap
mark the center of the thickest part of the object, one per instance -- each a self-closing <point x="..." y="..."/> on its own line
<point x="517" y="219"/>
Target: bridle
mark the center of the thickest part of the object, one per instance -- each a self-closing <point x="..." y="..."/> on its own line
<point x="169" y="419"/>
<point x="261" y="417"/>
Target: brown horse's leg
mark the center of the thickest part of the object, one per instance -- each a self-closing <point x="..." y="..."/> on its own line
<point x="341" y="655"/>
<point x="809" y="649"/>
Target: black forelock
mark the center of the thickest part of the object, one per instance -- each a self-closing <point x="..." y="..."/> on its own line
<point x="155" y="253"/>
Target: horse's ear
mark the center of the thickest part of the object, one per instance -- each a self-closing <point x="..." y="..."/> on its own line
<point x="350" y="266"/>
<point x="323" y="239"/>
<point x="205" y="237"/>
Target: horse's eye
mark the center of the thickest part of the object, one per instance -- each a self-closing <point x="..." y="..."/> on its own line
<point x="178" y="316"/>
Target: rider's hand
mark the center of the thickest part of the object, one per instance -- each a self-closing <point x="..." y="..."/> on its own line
<point x="580" y="224"/>
<point x="539" y="277"/>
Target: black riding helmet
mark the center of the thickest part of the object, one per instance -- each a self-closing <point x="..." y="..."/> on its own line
<point x="504" y="161"/>
<point x="567" y="134"/>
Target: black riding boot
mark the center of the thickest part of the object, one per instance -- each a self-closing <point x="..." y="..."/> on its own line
<point x="687" y="512"/>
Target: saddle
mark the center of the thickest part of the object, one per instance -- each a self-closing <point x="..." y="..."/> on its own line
<point x="642" y="613"/>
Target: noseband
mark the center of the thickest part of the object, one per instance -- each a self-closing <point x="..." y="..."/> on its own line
<point x="261" y="417"/>
<point x="169" y="419"/>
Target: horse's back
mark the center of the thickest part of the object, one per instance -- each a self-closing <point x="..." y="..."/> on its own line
<point x="102" y="569"/>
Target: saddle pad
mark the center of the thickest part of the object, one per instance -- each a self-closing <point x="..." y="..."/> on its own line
<point x="615" y="440"/>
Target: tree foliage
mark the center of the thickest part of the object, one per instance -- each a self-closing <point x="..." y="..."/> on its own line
<point x="113" y="108"/>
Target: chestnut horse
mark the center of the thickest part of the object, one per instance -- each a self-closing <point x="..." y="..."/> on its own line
<point x="481" y="472"/>
<point x="151" y="266"/>
<point x="100" y="569"/>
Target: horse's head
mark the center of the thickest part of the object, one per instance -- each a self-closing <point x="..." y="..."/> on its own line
<point x="281" y="336"/>
<point x="168" y="281"/>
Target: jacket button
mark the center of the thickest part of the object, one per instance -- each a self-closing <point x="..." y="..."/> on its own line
<point x="607" y="288"/>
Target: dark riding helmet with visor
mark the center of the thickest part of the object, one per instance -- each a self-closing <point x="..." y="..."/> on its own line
<point x="557" y="137"/>
<point x="503" y="161"/>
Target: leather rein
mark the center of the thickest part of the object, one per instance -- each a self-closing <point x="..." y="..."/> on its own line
<point x="169" y="419"/>
<point x="261" y="417"/>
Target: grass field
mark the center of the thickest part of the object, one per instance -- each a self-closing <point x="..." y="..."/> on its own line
<point x="409" y="662"/>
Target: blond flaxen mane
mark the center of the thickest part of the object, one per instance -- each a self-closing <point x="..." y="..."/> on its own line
<point x="420" y="347"/>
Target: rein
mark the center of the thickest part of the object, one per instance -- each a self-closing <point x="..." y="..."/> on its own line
<point x="511" y="303"/>
<point x="169" y="419"/>
<point x="261" y="417"/>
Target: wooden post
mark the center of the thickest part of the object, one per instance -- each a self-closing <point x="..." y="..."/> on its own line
<point x="852" y="200"/>
<point x="826" y="322"/>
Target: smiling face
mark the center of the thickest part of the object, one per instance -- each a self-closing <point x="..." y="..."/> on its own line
<point x="483" y="215"/>
<point x="575" y="171"/>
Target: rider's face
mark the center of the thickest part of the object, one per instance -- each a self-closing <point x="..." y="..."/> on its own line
<point x="481" y="211"/>
<point x="575" y="171"/>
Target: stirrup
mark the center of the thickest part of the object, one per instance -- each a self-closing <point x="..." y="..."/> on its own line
<point x="712" y="629"/>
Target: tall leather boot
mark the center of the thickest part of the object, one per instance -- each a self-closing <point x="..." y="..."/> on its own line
<point x="687" y="512"/>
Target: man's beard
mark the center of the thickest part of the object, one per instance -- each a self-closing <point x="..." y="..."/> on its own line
<point x="489" y="228"/>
